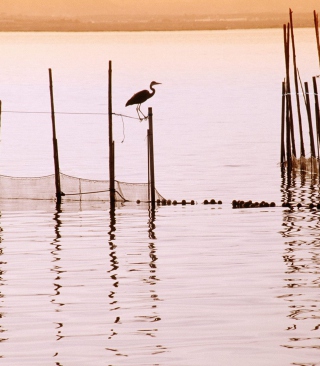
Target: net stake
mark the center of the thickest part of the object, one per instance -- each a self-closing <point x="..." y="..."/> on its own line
<point x="151" y="179"/>
<point x="55" y="145"/>
<point x="316" y="26"/>
<point x="111" y="142"/>
<point x="302" y="151"/>
<point x="312" y="149"/>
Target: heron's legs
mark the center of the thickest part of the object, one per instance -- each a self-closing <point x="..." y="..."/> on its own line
<point x="139" y="110"/>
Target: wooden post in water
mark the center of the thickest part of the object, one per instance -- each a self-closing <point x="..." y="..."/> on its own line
<point x="149" y="180"/>
<point x="55" y="144"/>
<point x="111" y="142"/>
<point x="316" y="111"/>
<point x="282" y="147"/>
<point x="286" y="31"/>
<point x="316" y="26"/>
<point x="312" y="149"/>
<point x="151" y="159"/>
<point x="288" y="137"/>
<point x="302" y="151"/>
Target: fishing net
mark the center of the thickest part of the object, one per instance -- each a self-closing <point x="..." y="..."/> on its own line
<point x="75" y="189"/>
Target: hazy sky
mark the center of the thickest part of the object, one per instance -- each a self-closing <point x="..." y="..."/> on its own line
<point x="133" y="7"/>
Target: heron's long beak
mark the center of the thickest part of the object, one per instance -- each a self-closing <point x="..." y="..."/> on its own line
<point x="157" y="83"/>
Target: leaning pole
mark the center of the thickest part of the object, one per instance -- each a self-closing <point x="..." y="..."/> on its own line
<point x="151" y="178"/>
<point x="55" y="144"/>
<point x="111" y="142"/>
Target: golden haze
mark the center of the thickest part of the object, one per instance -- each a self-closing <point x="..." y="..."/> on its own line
<point x="84" y="8"/>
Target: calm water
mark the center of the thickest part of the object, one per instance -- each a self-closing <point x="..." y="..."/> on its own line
<point x="194" y="285"/>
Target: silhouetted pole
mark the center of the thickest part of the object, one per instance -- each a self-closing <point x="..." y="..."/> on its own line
<point x="282" y="147"/>
<point x="288" y="137"/>
<point x="312" y="149"/>
<point x="316" y="26"/>
<point x="111" y="142"/>
<point x="316" y="107"/>
<point x="149" y="187"/>
<point x="288" y="89"/>
<point x="302" y="151"/>
<point x="151" y="160"/>
<point x="55" y="144"/>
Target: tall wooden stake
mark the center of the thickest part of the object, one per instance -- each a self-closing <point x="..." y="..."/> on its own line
<point x="316" y="107"/>
<point x="316" y="26"/>
<point x="288" y="139"/>
<point x="302" y="151"/>
<point x="288" y="89"/>
<point x="149" y="186"/>
<point x="312" y="149"/>
<point x="151" y="160"/>
<point x="55" y="145"/>
<point x="111" y="142"/>
<point x="282" y="147"/>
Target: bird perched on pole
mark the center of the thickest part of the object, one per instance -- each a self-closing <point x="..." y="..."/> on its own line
<point x="141" y="97"/>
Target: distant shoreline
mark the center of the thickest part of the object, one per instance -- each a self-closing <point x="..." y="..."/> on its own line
<point x="125" y="24"/>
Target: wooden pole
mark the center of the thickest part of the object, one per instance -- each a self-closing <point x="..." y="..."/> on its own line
<point x="111" y="142"/>
<point x="55" y="144"/>
<point x="316" y="26"/>
<point x="151" y="157"/>
<point x="316" y="106"/>
<point x="149" y="178"/>
<point x="288" y="89"/>
<point x="302" y="151"/>
<point x="282" y="147"/>
<point x="312" y="149"/>
<point x="288" y="139"/>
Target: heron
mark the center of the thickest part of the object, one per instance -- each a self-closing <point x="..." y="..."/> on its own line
<point x="141" y="97"/>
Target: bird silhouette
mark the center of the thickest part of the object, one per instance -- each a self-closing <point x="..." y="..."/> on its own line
<point x="141" y="97"/>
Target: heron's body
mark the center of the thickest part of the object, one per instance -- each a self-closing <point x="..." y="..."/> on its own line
<point x="141" y="97"/>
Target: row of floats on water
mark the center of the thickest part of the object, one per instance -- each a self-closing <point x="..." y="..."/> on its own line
<point x="237" y="204"/>
<point x="165" y="202"/>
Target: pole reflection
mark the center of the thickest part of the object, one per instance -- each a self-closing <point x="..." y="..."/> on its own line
<point x="114" y="264"/>
<point x="2" y="282"/>
<point x="57" y="270"/>
<point x="153" y="280"/>
<point x="301" y="229"/>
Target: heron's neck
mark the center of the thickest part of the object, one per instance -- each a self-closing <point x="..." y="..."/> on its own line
<point x="153" y="90"/>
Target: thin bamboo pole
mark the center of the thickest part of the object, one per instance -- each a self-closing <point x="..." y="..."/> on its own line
<point x="111" y="142"/>
<point x="316" y="107"/>
<point x="302" y="150"/>
<point x="282" y="147"/>
<point x="149" y="186"/>
<point x="55" y="144"/>
<point x="288" y="139"/>
<point x="152" y="178"/>
<point x="286" y="31"/>
<point x="316" y="26"/>
<point x="312" y="149"/>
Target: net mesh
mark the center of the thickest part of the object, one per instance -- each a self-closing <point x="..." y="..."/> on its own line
<point x="74" y="188"/>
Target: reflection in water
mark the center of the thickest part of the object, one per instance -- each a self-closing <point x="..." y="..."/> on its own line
<point x="114" y="265"/>
<point x="2" y="271"/>
<point x="135" y="309"/>
<point x="301" y="228"/>
<point x="152" y="281"/>
<point x="56" y="255"/>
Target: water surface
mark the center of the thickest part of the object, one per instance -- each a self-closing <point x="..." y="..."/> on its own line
<point x="192" y="285"/>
